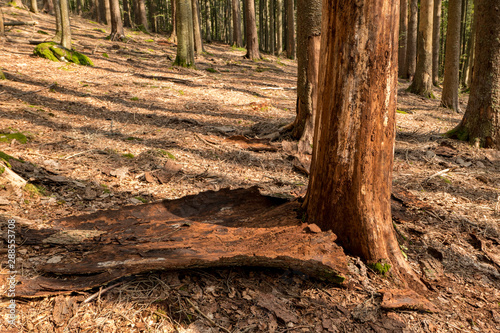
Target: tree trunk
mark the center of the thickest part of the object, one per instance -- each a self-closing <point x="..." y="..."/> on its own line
<point x="34" y="6"/>
<point x="117" y="32"/>
<point x="481" y="121"/>
<point x="436" y="42"/>
<point x="261" y="24"/>
<point x="272" y="38"/>
<point x="57" y="14"/>
<point x="403" y="36"/>
<point x="126" y="14"/>
<point x="237" y="24"/>
<point x="308" y="45"/>
<point x="173" y="36"/>
<point x="208" y="33"/>
<point x="65" y="24"/>
<point x="290" y="28"/>
<point x="471" y="54"/>
<point x="449" y="98"/>
<point x="104" y="11"/>
<point x="185" y="39"/>
<point x="251" y="29"/>
<point x="350" y="183"/>
<point x="422" y="81"/>
<point x="279" y="27"/>
<point x="141" y="18"/>
<point x="198" y="43"/>
<point x="48" y="7"/>
<point x="411" y="43"/>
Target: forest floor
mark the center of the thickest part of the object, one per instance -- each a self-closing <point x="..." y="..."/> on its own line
<point x="107" y="128"/>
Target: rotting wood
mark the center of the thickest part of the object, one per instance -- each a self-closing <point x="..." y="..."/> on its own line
<point x="212" y="229"/>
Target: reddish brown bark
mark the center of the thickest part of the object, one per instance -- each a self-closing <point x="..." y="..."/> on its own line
<point x="350" y="183"/>
<point x="116" y="21"/>
<point x="251" y="31"/>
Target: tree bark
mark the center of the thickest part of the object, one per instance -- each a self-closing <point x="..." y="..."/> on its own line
<point x="290" y="28"/>
<point x="185" y="38"/>
<point x="65" y="24"/>
<point x="403" y="36"/>
<point x="449" y="97"/>
<point x="198" y="42"/>
<point x="436" y="42"/>
<point x="126" y="14"/>
<point x="48" y="7"/>
<point x="34" y="6"/>
<point x="469" y="54"/>
<point x="422" y="81"/>
<point x="481" y="121"/>
<point x="57" y="14"/>
<point x="140" y="17"/>
<point x="117" y="32"/>
<point x="251" y="29"/>
<point x="350" y="183"/>
<point x="279" y="27"/>
<point x="237" y="24"/>
<point x="272" y="36"/>
<point x="104" y="11"/>
<point x="411" y="43"/>
<point x="308" y="45"/>
<point x="208" y="33"/>
<point x="173" y="35"/>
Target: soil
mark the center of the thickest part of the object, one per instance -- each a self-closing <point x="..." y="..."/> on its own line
<point x="134" y="129"/>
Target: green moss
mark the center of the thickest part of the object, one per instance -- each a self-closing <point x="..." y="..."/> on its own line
<point x="2" y="76"/>
<point x="55" y="52"/>
<point x="18" y="136"/>
<point x="211" y="70"/>
<point x="235" y="48"/>
<point x="446" y="180"/>
<point x="93" y="22"/>
<point x="105" y="55"/>
<point x="149" y="41"/>
<point x="459" y="133"/>
<point x="134" y="99"/>
<point x="401" y="111"/>
<point x="2" y="169"/>
<point x="132" y="138"/>
<point x="380" y="267"/>
<point x="100" y="30"/>
<point x="141" y="199"/>
<point x="128" y="155"/>
<point x="35" y="190"/>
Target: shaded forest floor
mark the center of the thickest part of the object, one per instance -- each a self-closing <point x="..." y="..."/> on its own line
<point x="109" y="130"/>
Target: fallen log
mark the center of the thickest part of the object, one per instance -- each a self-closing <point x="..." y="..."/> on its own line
<point x="15" y="23"/>
<point x="211" y="229"/>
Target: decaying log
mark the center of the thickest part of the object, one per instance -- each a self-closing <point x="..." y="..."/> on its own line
<point x="10" y="177"/>
<point x="211" y="229"/>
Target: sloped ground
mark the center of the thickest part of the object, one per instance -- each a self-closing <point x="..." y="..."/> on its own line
<point x="134" y="129"/>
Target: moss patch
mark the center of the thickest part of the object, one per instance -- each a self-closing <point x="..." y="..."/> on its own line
<point x="2" y="76"/>
<point x="380" y="267"/>
<point x="35" y="190"/>
<point x="459" y="133"/>
<point x="8" y="137"/>
<point x="55" y="52"/>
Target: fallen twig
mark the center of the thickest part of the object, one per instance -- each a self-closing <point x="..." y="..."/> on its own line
<point x="76" y="154"/>
<point x="440" y="173"/>
<point x="100" y="292"/>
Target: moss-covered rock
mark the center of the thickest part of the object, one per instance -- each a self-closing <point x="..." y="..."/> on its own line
<point x="55" y="52"/>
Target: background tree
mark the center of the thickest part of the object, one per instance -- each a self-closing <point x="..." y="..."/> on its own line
<point x="422" y="81"/>
<point x="104" y="11"/>
<point x="308" y="47"/>
<point x="65" y="24"/>
<point x="34" y="6"/>
<point x="279" y="27"/>
<point x="237" y="24"/>
<point x="290" y="30"/>
<point x="140" y="14"/>
<point x="350" y="184"/>
<point x="449" y="98"/>
<point x="403" y="32"/>
<point x="481" y="121"/>
<point x="198" y="42"/>
<point x="436" y="45"/>
<point x="117" y="32"/>
<point x="185" y="39"/>
<point x="251" y="31"/>
<point x="411" y="42"/>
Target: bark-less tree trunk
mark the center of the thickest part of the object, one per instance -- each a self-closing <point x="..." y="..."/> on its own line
<point x="422" y="81"/>
<point x="435" y="42"/>
<point x="185" y="40"/>
<point x="116" y="21"/>
<point x="449" y="97"/>
<point x="411" y="42"/>
<point x="251" y="30"/>
<point x="308" y="45"/>
<point x="290" y="46"/>
<point x="198" y="43"/>
<point x="65" y="24"/>
<point x="237" y="24"/>
<point x="350" y="184"/>
<point x="34" y="6"/>
<point x="481" y="121"/>
<point x="403" y="36"/>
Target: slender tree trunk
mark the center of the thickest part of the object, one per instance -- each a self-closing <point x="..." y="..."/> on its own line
<point x="126" y="14"/>
<point x="104" y="12"/>
<point x="481" y="121"/>
<point x="411" y="45"/>
<point x="65" y="24"/>
<point x="198" y="43"/>
<point x="237" y="23"/>
<point x="279" y="27"/>
<point x="452" y="58"/>
<point x="117" y="32"/>
<point x="208" y="33"/>
<point x="173" y="36"/>
<point x="422" y="81"/>
<point x="403" y="36"/>
<point x="141" y="18"/>
<point x="185" y="40"/>
<point x="48" y="7"/>
<point x="436" y="42"/>
<point x="79" y="7"/>
<point x="350" y="183"/>
<point x="308" y="47"/>
<point x="272" y="38"/>
<point x="261" y="25"/>
<point x="290" y="46"/>
<point x="252" y="42"/>
<point x="34" y="6"/>
<point x="57" y="14"/>
<point x="470" y="54"/>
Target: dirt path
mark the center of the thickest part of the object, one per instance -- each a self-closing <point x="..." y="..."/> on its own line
<point x="111" y="130"/>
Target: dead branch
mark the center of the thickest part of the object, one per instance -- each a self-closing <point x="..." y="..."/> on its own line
<point x="14" y="23"/>
<point x="11" y="177"/>
<point x="440" y="173"/>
